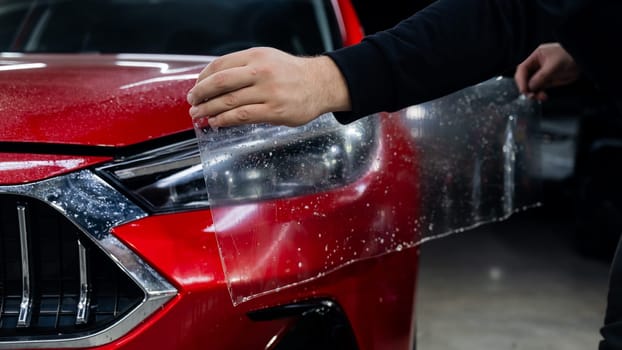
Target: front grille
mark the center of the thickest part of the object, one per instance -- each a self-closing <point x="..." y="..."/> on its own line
<point x="54" y="281"/>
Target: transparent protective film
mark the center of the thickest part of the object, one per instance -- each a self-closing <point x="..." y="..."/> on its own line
<point x="292" y="204"/>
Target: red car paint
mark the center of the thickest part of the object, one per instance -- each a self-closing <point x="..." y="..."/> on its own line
<point x="352" y="30"/>
<point x="99" y="100"/>
<point x="16" y="168"/>
<point x="95" y="100"/>
<point x="377" y="294"/>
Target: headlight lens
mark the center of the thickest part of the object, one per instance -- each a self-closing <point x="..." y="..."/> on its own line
<point x="250" y="163"/>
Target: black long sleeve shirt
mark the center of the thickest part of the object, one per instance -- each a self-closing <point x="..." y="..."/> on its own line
<point x="452" y="44"/>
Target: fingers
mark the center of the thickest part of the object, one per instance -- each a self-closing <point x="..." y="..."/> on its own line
<point x="541" y="79"/>
<point x="521" y="78"/>
<point x="533" y="75"/>
<point x="524" y="72"/>
<point x="224" y="74"/>
<point x="221" y="83"/>
<point x="541" y="96"/>
<point x="548" y="66"/>
<point x="267" y="85"/>
<point x="228" y="101"/>
<point x="235" y="59"/>
<point x="246" y="114"/>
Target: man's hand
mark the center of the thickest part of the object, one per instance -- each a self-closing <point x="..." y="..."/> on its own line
<point x="264" y="85"/>
<point x="548" y="66"/>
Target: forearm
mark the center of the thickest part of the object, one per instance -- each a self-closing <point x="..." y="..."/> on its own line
<point x="443" y="48"/>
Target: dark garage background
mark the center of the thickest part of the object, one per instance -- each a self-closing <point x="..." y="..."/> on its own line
<point x="539" y="279"/>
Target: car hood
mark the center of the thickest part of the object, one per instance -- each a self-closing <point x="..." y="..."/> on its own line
<point x="94" y="100"/>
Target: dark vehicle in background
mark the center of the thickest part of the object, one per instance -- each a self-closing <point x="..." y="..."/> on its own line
<point x="582" y="147"/>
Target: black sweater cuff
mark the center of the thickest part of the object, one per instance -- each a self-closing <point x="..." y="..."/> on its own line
<point x="368" y="82"/>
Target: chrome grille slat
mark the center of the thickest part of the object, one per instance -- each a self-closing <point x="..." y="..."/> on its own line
<point x="53" y="285"/>
<point x="83" y="301"/>
<point x="23" y="319"/>
<point x="58" y="213"/>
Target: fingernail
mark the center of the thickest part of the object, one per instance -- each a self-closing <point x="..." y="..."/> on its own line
<point x="189" y="97"/>
<point x="212" y="123"/>
<point x="193" y="111"/>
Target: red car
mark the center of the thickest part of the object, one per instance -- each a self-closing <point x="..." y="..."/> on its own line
<point x="116" y="232"/>
<point x="107" y="239"/>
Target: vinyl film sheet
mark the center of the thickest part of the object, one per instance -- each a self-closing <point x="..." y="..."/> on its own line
<point x="293" y="204"/>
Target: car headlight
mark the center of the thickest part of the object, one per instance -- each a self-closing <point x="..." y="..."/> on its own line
<point x="249" y="163"/>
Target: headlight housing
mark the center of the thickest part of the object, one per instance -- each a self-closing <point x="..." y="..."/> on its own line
<point x="249" y="163"/>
